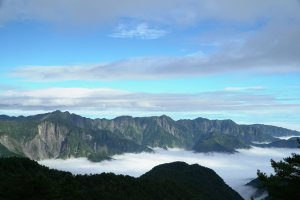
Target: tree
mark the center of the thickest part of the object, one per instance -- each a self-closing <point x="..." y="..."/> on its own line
<point x="285" y="183"/>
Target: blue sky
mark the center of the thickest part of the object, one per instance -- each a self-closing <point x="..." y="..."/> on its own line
<point x="195" y="58"/>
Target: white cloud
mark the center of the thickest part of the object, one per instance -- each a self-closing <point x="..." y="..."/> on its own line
<point x="287" y="137"/>
<point x="95" y="12"/>
<point x="106" y="98"/>
<point x="140" y="31"/>
<point x="99" y="102"/>
<point x="236" y="169"/>
<point x="65" y="93"/>
<point x="268" y="42"/>
<point x="278" y="54"/>
<point x="244" y="88"/>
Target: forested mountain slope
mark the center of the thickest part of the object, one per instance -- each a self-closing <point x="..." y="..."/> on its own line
<point x="62" y="135"/>
<point x="21" y="178"/>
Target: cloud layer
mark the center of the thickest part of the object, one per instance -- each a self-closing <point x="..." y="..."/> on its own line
<point x="262" y="37"/>
<point x="168" y="11"/>
<point x="262" y="53"/>
<point x="245" y="105"/>
<point x="236" y="169"/>
<point x="251" y="101"/>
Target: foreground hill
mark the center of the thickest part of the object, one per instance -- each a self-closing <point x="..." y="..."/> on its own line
<point x="21" y="178"/>
<point x="191" y="178"/>
<point x="62" y="135"/>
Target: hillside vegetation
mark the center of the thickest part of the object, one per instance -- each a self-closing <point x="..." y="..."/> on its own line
<point x="21" y="178"/>
<point x="63" y="135"/>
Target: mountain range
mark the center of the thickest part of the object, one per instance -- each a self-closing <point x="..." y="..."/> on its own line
<point x="63" y="135"/>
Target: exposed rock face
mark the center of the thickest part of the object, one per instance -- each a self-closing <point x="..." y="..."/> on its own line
<point x="61" y="135"/>
<point x="47" y="143"/>
<point x="10" y="144"/>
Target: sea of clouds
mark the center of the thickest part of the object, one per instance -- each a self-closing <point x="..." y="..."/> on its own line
<point x="236" y="169"/>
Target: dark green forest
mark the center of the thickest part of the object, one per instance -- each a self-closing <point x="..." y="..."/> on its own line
<point x="285" y="183"/>
<point x="22" y="178"/>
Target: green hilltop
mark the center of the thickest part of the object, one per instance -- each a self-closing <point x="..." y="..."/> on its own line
<point x="22" y="178"/>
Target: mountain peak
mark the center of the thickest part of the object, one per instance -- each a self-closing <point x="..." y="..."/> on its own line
<point x="55" y="115"/>
<point x="61" y="112"/>
<point x="166" y="117"/>
<point x="73" y="135"/>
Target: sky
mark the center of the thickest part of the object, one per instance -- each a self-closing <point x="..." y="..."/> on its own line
<point x="234" y="59"/>
<point x="235" y="169"/>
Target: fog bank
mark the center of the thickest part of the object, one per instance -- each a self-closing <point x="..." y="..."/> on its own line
<point x="236" y="169"/>
<point x="287" y="137"/>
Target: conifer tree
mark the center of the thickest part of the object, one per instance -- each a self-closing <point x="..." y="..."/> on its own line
<point x="285" y="183"/>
